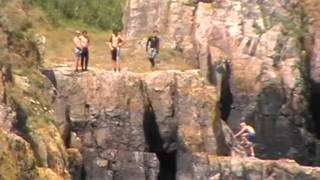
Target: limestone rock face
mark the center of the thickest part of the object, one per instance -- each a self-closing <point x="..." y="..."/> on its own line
<point x="142" y="17"/>
<point x="216" y="168"/>
<point x="31" y="146"/>
<point x="267" y="70"/>
<point x="160" y="125"/>
<point x="265" y="43"/>
<point x="147" y="116"/>
<point x="17" y="159"/>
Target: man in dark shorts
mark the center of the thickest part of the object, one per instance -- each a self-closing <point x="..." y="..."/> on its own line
<point x="115" y="42"/>
<point x="85" y="41"/>
<point x="152" y="47"/>
<point x="248" y="135"/>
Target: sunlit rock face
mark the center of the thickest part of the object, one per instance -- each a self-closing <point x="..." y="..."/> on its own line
<point x="160" y="125"/>
<point x="265" y="45"/>
<point x="268" y="71"/>
<point x="153" y="117"/>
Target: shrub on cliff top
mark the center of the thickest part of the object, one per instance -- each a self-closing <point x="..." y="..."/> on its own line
<point x="106" y="14"/>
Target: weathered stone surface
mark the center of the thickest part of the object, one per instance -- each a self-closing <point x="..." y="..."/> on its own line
<point x="17" y="159"/>
<point x="142" y="17"/>
<point x="115" y="164"/>
<point x="213" y="167"/>
<point x="267" y="70"/>
<point x="164" y="112"/>
<point x="75" y="164"/>
<point x="30" y="143"/>
<point x="265" y="44"/>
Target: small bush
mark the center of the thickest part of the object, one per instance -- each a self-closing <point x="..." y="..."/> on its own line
<point x="106" y="14"/>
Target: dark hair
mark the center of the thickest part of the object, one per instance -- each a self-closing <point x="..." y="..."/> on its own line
<point x="84" y="32"/>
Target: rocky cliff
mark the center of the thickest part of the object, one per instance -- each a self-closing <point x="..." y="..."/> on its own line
<point x="165" y="125"/>
<point x="161" y="125"/>
<point x="261" y="50"/>
<point x="146" y="116"/>
<point x="31" y="145"/>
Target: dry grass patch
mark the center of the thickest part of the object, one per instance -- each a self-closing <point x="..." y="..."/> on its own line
<point x="59" y="48"/>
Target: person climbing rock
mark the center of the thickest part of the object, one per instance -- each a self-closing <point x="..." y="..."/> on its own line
<point x="115" y="42"/>
<point x="248" y="135"/>
<point x="85" y="41"/>
<point x="77" y="48"/>
<point x="152" y="47"/>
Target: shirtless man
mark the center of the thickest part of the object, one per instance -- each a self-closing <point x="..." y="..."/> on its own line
<point x="248" y="135"/>
<point x="77" y="49"/>
<point x="115" y="42"/>
<point x="85" y="41"/>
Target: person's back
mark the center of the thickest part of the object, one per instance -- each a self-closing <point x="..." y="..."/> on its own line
<point x="248" y="134"/>
<point x="153" y="42"/>
<point x="249" y="129"/>
<point x="152" y="47"/>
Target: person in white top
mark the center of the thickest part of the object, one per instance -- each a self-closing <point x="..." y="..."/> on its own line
<point x="115" y="42"/>
<point x="85" y="42"/>
<point x="248" y="135"/>
<point x="77" y="48"/>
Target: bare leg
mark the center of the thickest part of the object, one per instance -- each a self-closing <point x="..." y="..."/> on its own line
<point x="244" y="139"/>
<point x="251" y="150"/>
<point x="118" y="65"/>
<point x="77" y="63"/>
<point x="118" y="59"/>
<point x="114" y="66"/>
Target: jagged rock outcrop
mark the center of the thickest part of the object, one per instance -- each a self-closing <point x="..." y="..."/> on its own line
<point x="142" y="17"/>
<point x="31" y="146"/>
<point x="161" y="125"/>
<point x="264" y="43"/>
<point x="268" y="72"/>
<point x="221" y="168"/>
<point x="154" y="117"/>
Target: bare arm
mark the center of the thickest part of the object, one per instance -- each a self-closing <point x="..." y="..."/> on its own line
<point x="147" y="44"/>
<point x="240" y="132"/>
<point x="158" y="45"/>
<point x="110" y="43"/>
<point x="121" y="41"/>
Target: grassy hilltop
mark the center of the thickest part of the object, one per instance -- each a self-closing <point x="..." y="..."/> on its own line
<point x="58" y="19"/>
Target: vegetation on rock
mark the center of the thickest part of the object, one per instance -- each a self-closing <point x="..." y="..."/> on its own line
<point x="105" y="14"/>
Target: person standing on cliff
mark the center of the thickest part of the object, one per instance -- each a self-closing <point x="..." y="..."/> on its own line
<point x="152" y="47"/>
<point x="85" y="41"/>
<point x="115" y="42"/>
<point x="77" y="49"/>
<point x="248" y="135"/>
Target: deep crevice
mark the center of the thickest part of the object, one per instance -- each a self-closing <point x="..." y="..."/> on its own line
<point x="67" y="129"/>
<point x="219" y="75"/>
<point x="155" y="143"/>
<point x="314" y="107"/>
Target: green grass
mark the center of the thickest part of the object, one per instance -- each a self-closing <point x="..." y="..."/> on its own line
<point x="106" y="14"/>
